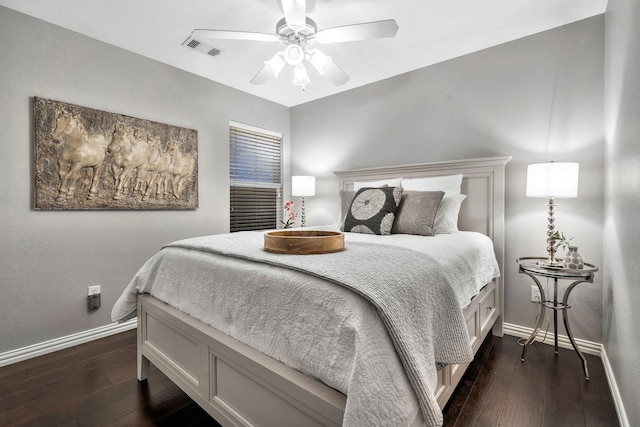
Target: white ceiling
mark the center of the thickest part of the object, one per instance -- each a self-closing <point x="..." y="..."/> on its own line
<point x="430" y="31"/>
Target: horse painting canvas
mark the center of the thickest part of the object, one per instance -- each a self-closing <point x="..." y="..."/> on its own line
<point x="92" y="159"/>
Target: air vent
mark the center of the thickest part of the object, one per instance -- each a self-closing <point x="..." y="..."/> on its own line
<point x="193" y="44"/>
<point x="207" y="49"/>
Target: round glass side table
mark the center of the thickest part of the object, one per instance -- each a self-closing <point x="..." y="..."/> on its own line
<point x="532" y="267"/>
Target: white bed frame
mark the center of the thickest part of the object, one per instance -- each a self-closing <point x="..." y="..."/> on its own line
<point x="239" y="386"/>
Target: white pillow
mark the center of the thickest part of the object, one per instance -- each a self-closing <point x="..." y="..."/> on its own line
<point x="393" y="182"/>
<point x="446" y="221"/>
<point x="450" y="184"/>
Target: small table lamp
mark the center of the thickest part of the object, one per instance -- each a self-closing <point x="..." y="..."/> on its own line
<point x="552" y="180"/>
<point x="303" y="186"/>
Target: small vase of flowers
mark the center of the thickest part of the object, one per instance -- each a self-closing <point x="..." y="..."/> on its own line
<point x="572" y="258"/>
<point x="290" y="215"/>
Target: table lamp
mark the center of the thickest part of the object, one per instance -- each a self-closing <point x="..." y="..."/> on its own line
<point x="552" y="180"/>
<point x="303" y="186"/>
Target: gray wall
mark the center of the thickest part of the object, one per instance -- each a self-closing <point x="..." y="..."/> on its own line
<point x="537" y="99"/>
<point x="622" y="230"/>
<point x="48" y="258"/>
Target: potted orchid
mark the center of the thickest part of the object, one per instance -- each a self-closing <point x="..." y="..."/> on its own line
<point x="289" y="214"/>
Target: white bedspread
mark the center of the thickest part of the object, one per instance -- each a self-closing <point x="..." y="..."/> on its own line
<point x="310" y="324"/>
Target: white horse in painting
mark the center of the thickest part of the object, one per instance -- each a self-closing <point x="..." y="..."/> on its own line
<point x="156" y="171"/>
<point x="129" y="151"/>
<point x="79" y="150"/>
<point x="182" y="166"/>
<point x="149" y="169"/>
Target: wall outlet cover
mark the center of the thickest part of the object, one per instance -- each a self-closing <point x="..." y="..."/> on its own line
<point x="535" y="294"/>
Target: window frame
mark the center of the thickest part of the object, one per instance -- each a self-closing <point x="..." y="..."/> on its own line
<point x="262" y="179"/>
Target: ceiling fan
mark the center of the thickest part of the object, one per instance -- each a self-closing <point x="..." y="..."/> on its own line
<point x="298" y="33"/>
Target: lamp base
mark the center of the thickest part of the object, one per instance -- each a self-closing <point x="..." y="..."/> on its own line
<point x="551" y="261"/>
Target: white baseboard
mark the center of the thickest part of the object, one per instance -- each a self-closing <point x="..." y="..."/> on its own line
<point x="588" y="347"/>
<point x="35" y="350"/>
<point x="613" y="385"/>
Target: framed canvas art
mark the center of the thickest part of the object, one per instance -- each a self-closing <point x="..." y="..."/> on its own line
<point x="92" y="159"/>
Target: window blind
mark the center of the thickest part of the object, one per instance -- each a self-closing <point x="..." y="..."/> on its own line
<point x="255" y="176"/>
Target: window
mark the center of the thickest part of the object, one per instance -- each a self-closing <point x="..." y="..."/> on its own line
<point x="255" y="178"/>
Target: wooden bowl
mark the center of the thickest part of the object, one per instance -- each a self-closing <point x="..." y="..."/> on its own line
<point x="303" y="242"/>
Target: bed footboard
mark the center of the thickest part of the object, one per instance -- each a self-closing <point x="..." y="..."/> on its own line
<point x="235" y="384"/>
<point x="239" y="386"/>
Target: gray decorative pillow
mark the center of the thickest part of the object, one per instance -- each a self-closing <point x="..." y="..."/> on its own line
<point x="417" y="212"/>
<point x="346" y="197"/>
<point x="373" y="210"/>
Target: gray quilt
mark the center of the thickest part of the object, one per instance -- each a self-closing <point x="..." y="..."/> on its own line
<point x="410" y="291"/>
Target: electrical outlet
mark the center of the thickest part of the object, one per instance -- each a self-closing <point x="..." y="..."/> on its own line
<point x="535" y="294"/>
<point x="93" y="297"/>
<point x="93" y="302"/>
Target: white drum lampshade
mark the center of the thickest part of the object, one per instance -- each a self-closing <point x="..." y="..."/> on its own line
<point x="553" y="179"/>
<point x="302" y="185"/>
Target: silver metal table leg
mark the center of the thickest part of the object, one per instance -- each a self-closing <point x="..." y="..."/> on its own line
<point x="555" y="315"/>
<point x="541" y="313"/>
<point x="565" y="317"/>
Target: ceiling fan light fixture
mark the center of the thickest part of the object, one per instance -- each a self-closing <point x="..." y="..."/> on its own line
<point x="276" y="64"/>
<point x="319" y="60"/>
<point x="294" y="54"/>
<point x="300" y="76"/>
<point x="297" y="33"/>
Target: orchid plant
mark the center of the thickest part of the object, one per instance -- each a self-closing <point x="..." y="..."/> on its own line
<point x="289" y="214"/>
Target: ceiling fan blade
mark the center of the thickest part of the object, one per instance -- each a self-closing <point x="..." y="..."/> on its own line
<point x="232" y="35"/>
<point x="262" y="76"/>
<point x="336" y="74"/>
<point x="365" y="31"/>
<point x="295" y="13"/>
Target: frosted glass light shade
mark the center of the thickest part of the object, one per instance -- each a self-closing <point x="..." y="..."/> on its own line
<point x="302" y="185"/>
<point x="300" y="76"/>
<point x="294" y="54"/>
<point x="552" y="179"/>
<point x="319" y="60"/>
<point x="276" y="64"/>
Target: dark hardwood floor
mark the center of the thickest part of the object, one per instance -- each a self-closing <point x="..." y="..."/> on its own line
<point x="546" y="390"/>
<point x="95" y="384"/>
